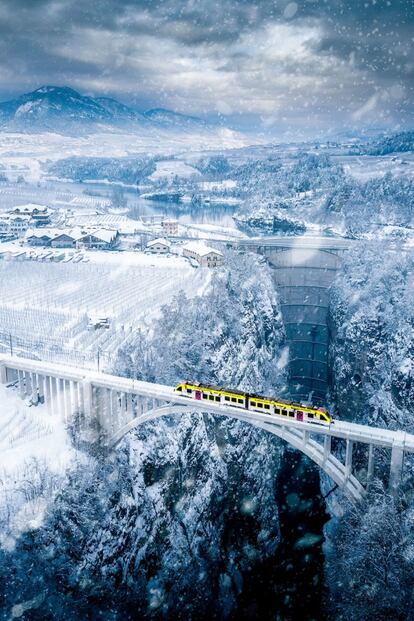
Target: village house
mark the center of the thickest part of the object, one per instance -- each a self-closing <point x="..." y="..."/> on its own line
<point x="169" y="227"/>
<point x="103" y="239"/>
<point x="12" y="225"/>
<point x="158" y="246"/>
<point x="4" y="228"/>
<point x="204" y="255"/>
<point x="39" y="215"/>
<point x="39" y="238"/>
<point x="100" y="239"/>
<point x="64" y="240"/>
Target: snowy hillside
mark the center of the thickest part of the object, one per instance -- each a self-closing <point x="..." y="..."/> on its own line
<point x="174" y="521"/>
<point x="63" y="110"/>
<point x="36" y="451"/>
<point x="369" y="560"/>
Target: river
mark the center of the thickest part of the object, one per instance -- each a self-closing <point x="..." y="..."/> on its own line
<point x="219" y="214"/>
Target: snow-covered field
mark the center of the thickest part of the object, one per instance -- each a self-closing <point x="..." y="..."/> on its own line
<point x="172" y="168"/>
<point x="44" y="312"/>
<point x="26" y="154"/>
<point x="364" y="167"/>
<point x="226" y="184"/>
<point x="121" y="222"/>
<point x="211" y="231"/>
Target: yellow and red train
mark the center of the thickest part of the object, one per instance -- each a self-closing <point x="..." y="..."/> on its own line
<point x="255" y="403"/>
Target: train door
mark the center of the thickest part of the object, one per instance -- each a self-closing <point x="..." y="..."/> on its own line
<point x="299" y="415"/>
<point x="198" y="395"/>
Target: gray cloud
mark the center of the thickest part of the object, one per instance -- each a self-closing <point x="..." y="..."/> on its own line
<point x="289" y="63"/>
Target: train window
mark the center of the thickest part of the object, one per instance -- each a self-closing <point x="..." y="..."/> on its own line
<point x="284" y="413"/>
<point x="310" y="415"/>
<point x="253" y="403"/>
<point x="277" y="411"/>
<point x="291" y="413"/>
<point x="259" y="405"/>
<point x="179" y="389"/>
<point x="240" y="400"/>
<point x="233" y="400"/>
<point x="217" y="398"/>
<point x="189" y="390"/>
<point x="211" y="397"/>
<point x="266" y="406"/>
<point x="205" y="396"/>
<point x="226" y="398"/>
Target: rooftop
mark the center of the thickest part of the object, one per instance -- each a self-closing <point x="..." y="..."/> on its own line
<point x="29" y="208"/>
<point x="201" y="248"/>
<point x="76" y="233"/>
<point x="160" y="240"/>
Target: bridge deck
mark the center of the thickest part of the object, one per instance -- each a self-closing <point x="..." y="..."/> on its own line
<point x="338" y="429"/>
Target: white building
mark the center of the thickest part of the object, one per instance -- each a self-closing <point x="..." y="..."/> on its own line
<point x="39" y="215"/>
<point x="39" y="237"/>
<point x="169" y="227"/>
<point x="13" y="225"/>
<point x="204" y="255"/>
<point x="103" y="239"/>
<point x="159" y="246"/>
<point x="100" y="239"/>
<point x="4" y="227"/>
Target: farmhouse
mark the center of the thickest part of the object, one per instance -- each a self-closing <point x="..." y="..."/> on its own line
<point x="158" y="246"/>
<point x="204" y="255"/>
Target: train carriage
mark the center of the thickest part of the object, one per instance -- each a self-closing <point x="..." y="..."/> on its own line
<point x="256" y="403"/>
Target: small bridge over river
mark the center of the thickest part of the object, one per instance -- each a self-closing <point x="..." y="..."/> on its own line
<point x="116" y="405"/>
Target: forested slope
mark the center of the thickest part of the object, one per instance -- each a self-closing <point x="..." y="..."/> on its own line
<point x="370" y="560"/>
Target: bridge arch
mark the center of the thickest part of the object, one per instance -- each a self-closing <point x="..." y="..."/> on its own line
<point x="320" y="454"/>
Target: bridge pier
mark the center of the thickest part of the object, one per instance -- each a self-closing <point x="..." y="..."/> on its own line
<point x="129" y="407"/>
<point x="87" y="398"/>
<point x="20" y="379"/>
<point x="3" y="374"/>
<point x="348" y="458"/>
<point x="326" y="447"/>
<point x="397" y="461"/>
<point x="48" y="394"/>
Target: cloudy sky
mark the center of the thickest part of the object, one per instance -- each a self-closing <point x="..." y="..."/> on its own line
<point x="275" y="64"/>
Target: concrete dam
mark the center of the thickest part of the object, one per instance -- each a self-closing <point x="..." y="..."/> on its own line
<point x="303" y="270"/>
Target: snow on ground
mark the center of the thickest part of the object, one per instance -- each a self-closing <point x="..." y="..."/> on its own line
<point x="48" y="304"/>
<point x="35" y="453"/>
<point x="172" y="168"/>
<point x="25" y="154"/>
<point x="226" y="184"/>
<point x="121" y="222"/>
<point x="365" y="167"/>
<point x="211" y="231"/>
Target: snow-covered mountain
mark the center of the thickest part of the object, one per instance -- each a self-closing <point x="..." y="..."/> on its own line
<point x="170" y="119"/>
<point x="64" y="110"/>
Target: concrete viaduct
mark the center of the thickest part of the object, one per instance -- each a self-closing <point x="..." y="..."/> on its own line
<point x="117" y="405"/>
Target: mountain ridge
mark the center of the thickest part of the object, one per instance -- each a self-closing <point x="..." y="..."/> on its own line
<point x="62" y="109"/>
